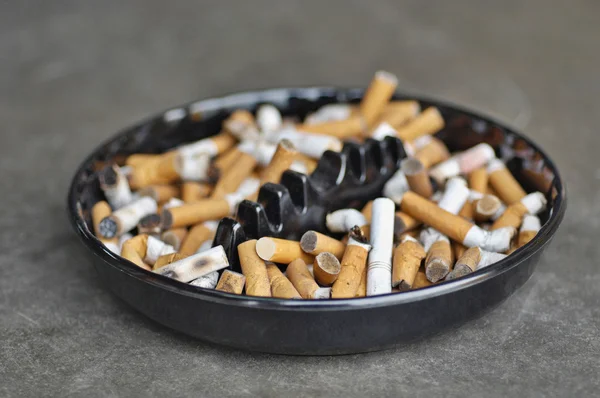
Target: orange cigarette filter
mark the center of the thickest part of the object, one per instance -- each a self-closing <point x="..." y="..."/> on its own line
<point x="233" y="177"/>
<point x="406" y="262"/>
<point x="282" y="160"/>
<point x="361" y="291"/>
<point x="231" y="282"/>
<point x="504" y="183"/>
<point x="192" y="191"/>
<point x="254" y="269"/>
<point x="417" y="177"/>
<point x="298" y="273"/>
<point x="397" y="113"/>
<point x="469" y="259"/>
<point x="134" y="250"/>
<point x="308" y="162"/>
<point x="404" y="223"/>
<point x="378" y="95"/>
<point x="453" y="226"/>
<point x="347" y="128"/>
<point x="353" y="271"/>
<point x="433" y="153"/>
<point x="281" y="251"/>
<point x="478" y="180"/>
<point x="439" y="260"/>
<point x="486" y="207"/>
<point x="367" y="210"/>
<point x="194" y="213"/>
<point x="326" y="269"/>
<point x="428" y="122"/>
<point x="139" y="158"/>
<point x="512" y="216"/>
<point x="421" y="281"/>
<point x="197" y="235"/>
<point x="227" y="159"/>
<point x="174" y="237"/>
<point x="166" y="259"/>
<point x="160" y="193"/>
<point x="100" y="211"/>
<point x="468" y="211"/>
<point x="281" y="287"/>
<point x="315" y="243"/>
<point x="459" y="249"/>
<point x="160" y="171"/>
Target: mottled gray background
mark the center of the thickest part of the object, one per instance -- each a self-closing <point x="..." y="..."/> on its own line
<point x="72" y="73"/>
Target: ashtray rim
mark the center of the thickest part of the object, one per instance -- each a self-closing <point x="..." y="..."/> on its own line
<point x="97" y="248"/>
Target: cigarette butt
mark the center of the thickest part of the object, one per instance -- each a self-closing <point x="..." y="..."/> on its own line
<point x="532" y="203"/>
<point x="486" y="208"/>
<point x="268" y="119"/>
<point x="211" y="146"/>
<point x="126" y="218"/>
<point x="478" y="180"/>
<point x="233" y="177"/>
<point x="315" y="243"/>
<point x="195" y="266"/>
<point x="261" y="150"/>
<point x="138" y="158"/>
<point x="135" y="249"/>
<point x="227" y="159"/>
<point x="417" y="177"/>
<point x="150" y="224"/>
<point x="197" y="235"/>
<point x="163" y="170"/>
<point x="396" y="186"/>
<point x="466" y="264"/>
<point x="428" y="122"/>
<point x="311" y="145"/>
<point x="491" y="191"/>
<point x="113" y="183"/>
<point x="459" y="249"/>
<point x="281" y="287"/>
<point x="367" y="210"/>
<point x="281" y="161"/>
<point x="468" y="211"/>
<point x="421" y="281"/>
<point x="281" y="251"/>
<point x="174" y="237"/>
<point x="504" y="183"/>
<point x="353" y="269"/>
<point x="254" y="269"/>
<point x="330" y="112"/>
<point x="463" y="163"/>
<point x="351" y="127"/>
<point x="298" y="273"/>
<point x="455" y="195"/>
<point x="403" y="223"/>
<point x="231" y="282"/>
<point x="195" y="213"/>
<point x="192" y="191"/>
<point x="100" y="211"/>
<point x="383" y="130"/>
<point x="160" y="193"/>
<point x="344" y="219"/>
<point x="166" y="259"/>
<point x="529" y="228"/>
<point x="439" y="260"/>
<point x="379" y="275"/>
<point x="241" y="125"/>
<point x="326" y="269"/>
<point x="361" y="291"/>
<point x="407" y="260"/>
<point x="454" y="226"/>
<point x="434" y="152"/>
<point x="208" y="281"/>
<point x="397" y="113"/>
<point x="378" y="95"/>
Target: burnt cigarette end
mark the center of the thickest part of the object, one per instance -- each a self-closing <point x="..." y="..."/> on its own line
<point x="404" y="286"/>
<point x="308" y="243"/>
<point x="108" y="176"/>
<point x="436" y="270"/>
<point x="358" y="235"/>
<point x="108" y="228"/>
<point x="399" y="228"/>
<point x="287" y="144"/>
<point x="459" y="271"/>
<point x="150" y="224"/>
<point x="412" y="166"/>
<point x="327" y="268"/>
<point x="166" y="219"/>
<point x="213" y="174"/>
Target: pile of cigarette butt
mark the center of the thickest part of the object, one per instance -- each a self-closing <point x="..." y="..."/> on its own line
<point x="440" y="216"/>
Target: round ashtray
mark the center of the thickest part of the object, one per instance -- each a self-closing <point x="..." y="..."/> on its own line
<point x="314" y="327"/>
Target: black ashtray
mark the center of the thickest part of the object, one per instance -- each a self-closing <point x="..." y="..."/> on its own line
<point x="316" y="327"/>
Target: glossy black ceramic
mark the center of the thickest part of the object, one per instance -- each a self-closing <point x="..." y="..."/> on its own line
<point x="313" y="327"/>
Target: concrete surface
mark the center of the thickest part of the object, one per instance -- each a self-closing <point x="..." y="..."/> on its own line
<point x="71" y="75"/>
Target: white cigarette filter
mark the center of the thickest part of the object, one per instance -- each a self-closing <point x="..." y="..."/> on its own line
<point x="396" y="186"/>
<point x="155" y="249"/>
<point x="192" y="167"/>
<point x="195" y="266"/>
<point x="122" y="239"/>
<point x="126" y="218"/>
<point x="464" y="162"/>
<point x="473" y="259"/>
<point x="531" y="223"/>
<point x="260" y="150"/>
<point x="208" y="281"/>
<point x="329" y="113"/>
<point x="115" y="186"/>
<point x="379" y="274"/>
<point x="312" y="145"/>
<point x="246" y="188"/>
<point x="455" y="195"/>
<point x="268" y="118"/>
<point x="384" y="130"/>
<point x="344" y="219"/>
<point x="497" y="240"/>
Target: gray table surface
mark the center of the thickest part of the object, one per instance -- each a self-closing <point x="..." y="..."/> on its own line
<point x="72" y="74"/>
